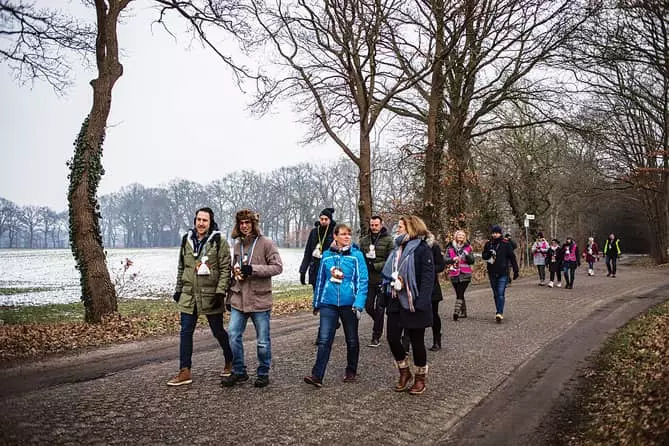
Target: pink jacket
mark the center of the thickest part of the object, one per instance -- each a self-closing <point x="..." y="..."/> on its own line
<point x="461" y="267"/>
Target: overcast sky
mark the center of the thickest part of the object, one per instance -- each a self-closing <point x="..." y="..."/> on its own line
<point x="176" y="112"/>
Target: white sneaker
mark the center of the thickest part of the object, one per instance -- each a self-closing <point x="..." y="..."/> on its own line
<point x="550" y="284"/>
<point x="559" y="285"/>
<point x="590" y="272"/>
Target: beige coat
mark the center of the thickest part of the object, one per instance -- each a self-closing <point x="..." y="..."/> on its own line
<point x="254" y="293"/>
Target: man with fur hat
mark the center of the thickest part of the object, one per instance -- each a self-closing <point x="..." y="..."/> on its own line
<point x="202" y="281"/>
<point x="499" y="255"/>
<point x="255" y="260"/>
<point x="320" y="239"/>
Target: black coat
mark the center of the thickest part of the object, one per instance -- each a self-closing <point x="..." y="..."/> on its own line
<point x="439" y="266"/>
<point x="422" y="317"/>
<point x="554" y="258"/>
<point x="309" y="263"/>
<point x="504" y="258"/>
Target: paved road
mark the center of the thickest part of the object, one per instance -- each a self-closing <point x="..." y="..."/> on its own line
<point x="492" y="384"/>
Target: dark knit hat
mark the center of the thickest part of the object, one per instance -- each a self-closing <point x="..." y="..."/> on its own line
<point x="327" y="212"/>
<point x="496" y="228"/>
<point x="540" y="234"/>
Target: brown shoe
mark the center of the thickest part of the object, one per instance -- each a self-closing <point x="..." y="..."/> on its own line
<point x="183" y="377"/>
<point x="405" y="376"/>
<point x="227" y="369"/>
<point x="419" y="381"/>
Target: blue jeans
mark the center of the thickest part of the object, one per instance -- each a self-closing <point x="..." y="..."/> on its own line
<point x="569" y="271"/>
<point x="188" y="323"/>
<point x="329" y="315"/>
<point x="264" y="345"/>
<point x="498" y="285"/>
<point x="611" y="264"/>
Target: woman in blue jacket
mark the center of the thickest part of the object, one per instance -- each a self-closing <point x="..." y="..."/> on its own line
<point x="410" y="271"/>
<point x="340" y="293"/>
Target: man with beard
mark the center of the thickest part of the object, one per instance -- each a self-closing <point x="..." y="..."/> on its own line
<point x="202" y="281"/>
<point x="375" y="246"/>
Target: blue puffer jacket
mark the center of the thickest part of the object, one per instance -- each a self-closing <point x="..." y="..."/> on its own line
<point x="353" y="289"/>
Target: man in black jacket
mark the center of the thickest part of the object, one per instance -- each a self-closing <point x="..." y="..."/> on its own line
<point x="499" y="255"/>
<point x="320" y="239"/>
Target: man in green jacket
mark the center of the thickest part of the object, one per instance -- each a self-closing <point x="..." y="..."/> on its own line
<point x="375" y="245"/>
<point x="202" y="281"/>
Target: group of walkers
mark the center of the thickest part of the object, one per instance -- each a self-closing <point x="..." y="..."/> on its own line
<point x="563" y="259"/>
<point x="394" y="279"/>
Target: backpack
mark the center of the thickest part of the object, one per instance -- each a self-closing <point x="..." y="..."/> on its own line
<point x="216" y="239"/>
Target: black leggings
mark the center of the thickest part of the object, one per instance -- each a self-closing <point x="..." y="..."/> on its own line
<point x="415" y="335"/>
<point x="460" y="288"/>
<point x="436" y="320"/>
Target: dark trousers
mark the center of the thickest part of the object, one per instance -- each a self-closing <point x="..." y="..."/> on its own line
<point x="611" y="264"/>
<point x="416" y="337"/>
<point x="374" y="310"/>
<point x="188" y="323"/>
<point x="555" y="272"/>
<point x="542" y="272"/>
<point x="436" y="321"/>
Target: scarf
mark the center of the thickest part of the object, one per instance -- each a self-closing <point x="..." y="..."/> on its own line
<point x="402" y="261"/>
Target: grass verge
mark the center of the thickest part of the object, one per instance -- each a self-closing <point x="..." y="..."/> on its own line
<point x="32" y="332"/>
<point x="625" y="397"/>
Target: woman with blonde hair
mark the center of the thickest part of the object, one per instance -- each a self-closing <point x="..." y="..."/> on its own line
<point x="409" y="273"/>
<point x="459" y="258"/>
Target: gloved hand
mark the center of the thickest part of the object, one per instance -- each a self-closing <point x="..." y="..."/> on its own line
<point x="247" y="270"/>
<point x="303" y="278"/>
<point x="316" y="310"/>
<point x="515" y="275"/>
<point x="176" y="296"/>
<point x="228" y="308"/>
<point x="358" y="312"/>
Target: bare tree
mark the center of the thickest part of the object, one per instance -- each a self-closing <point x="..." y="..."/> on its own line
<point x="337" y="65"/>
<point x="492" y="53"/>
<point x="40" y="44"/>
<point x="622" y="58"/>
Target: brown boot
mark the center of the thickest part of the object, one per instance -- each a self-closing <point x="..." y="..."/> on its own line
<point x="419" y="381"/>
<point x="183" y="377"/>
<point x="405" y="375"/>
<point x="227" y="369"/>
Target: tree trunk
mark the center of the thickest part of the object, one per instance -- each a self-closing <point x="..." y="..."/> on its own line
<point x="434" y="153"/>
<point x="98" y="293"/>
<point x="365" y="181"/>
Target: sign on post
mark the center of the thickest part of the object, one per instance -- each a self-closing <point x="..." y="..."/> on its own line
<point x="529" y="216"/>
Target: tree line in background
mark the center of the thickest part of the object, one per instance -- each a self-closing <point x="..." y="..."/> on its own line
<point x="290" y="198"/>
<point x="493" y="109"/>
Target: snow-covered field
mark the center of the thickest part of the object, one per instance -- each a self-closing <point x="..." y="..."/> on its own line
<point x="152" y="274"/>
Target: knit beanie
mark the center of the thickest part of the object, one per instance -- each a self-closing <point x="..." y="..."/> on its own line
<point x="327" y="212"/>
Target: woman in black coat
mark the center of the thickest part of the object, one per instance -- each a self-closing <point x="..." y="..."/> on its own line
<point x="410" y="273"/>
<point x="437" y="296"/>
